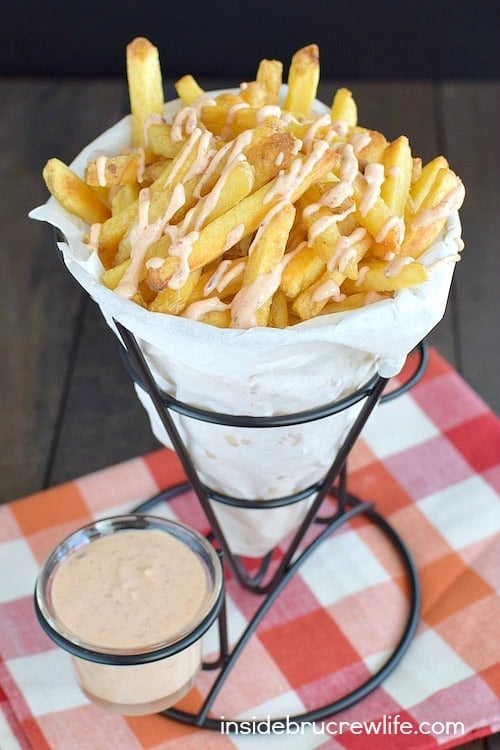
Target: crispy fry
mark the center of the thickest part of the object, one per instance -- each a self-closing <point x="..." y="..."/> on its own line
<point x="387" y="276"/>
<point x="106" y="171"/>
<point x="269" y="75"/>
<point x="188" y="89"/>
<point x="398" y="165"/>
<point x="73" y="193"/>
<point x="445" y="196"/>
<point x="303" y="79"/>
<point x="344" y="108"/>
<point x="145" y="85"/>
<point x="252" y="303"/>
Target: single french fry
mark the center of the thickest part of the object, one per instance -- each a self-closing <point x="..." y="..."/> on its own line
<point x="250" y="306"/>
<point x="445" y="196"/>
<point x="312" y="300"/>
<point x="145" y="85"/>
<point x="173" y="301"/>
<point x="253" y="93"/>
<point x="303" y="79"/>
<point x="73" y="193"/>
<point x="123" y="197"/>
<point x="301" y="271"/>
<point x="350" y="302"/>
<point x="270" y="75"/>
<point x="278" y="311"/>
<point x="215" y="116"/>
<point x="378" y="220"/>
<point x="270" y="151"/>
<point x="398" y="165"/>
<point x="106" y="171"/>
<point x="344" y="108"/>
<point x="112" y="276"/>
<point x="422" y="185"/>
<point x="382" y="277"/>
<point x="188" y="90"/>
<point x="160" y="141"/>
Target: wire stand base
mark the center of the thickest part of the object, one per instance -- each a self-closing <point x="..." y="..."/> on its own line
<point x="227" y="659"/>
<point x="264" y="582"/>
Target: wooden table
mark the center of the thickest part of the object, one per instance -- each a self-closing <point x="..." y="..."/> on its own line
<point x="68" y="407"/>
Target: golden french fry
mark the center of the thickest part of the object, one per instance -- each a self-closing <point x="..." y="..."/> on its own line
<point x="303" y="79"/>
<point x="398" y="165"/>
<point x="188" y="90"/>
<point x="106" y="171"/>
<point x="312" y="300"/>
<point x="250" y="306"/>
<point x="112" y="276"/>
<point x="344" y="108"/>
<point x="387" y="276"/>
<point x="270" y="151"/>
<point x="354" y="301"/>
<point x="123" y="196"/>
<point x="159" y="139"/>
<point x="445" y="196"/>
<point x="73" y="193"/>
<point x="270" y="75"/>
<point x="253" y="93"/>
<point x="301" y="271"/>
<point x="278" y="311"/>
<point x="145" y="85"/>
<point x="422" y="185"/>
<point x="173" y="301"/>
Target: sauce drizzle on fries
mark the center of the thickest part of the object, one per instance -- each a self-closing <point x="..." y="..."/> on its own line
<point x="245" y="203"/>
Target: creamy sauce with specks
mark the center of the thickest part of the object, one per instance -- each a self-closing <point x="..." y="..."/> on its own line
<point x="359" y="141"/>
<point x="131" y="589"/>
<point x="100" y="166"/>
<point x="329" y="289"/>
<point x="287" y="182"/>
<point x="393" y="222"/>
<point x="350" y="165"/>
<point x="233" y="236"/>
<point x="143" y="235"/>
<point x="396" y="265"/>
<point x="374" y="176"/>
<point x="196" y="310"/>
<point x="153" y="119"/>
<point x="343" y="250"/>
<point x="94" y="234"/>
<point x="322" y="224"/>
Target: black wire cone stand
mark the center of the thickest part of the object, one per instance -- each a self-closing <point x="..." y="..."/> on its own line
<point x="263" y="582"/>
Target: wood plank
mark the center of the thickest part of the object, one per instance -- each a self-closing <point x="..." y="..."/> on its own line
<point x="471" y="140"/>
<point x="40" y="304"/>
<point x="103" y="422"/>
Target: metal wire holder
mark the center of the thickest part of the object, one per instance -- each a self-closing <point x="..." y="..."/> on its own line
<point x="266" y="582"/>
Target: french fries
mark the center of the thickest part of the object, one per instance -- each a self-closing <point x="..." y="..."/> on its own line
<point x="248" y="208"/>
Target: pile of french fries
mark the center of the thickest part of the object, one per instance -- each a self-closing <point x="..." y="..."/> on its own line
<point x="248" y="210"/>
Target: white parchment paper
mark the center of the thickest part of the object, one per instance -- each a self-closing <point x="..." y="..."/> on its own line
<point x="260" y="371"/>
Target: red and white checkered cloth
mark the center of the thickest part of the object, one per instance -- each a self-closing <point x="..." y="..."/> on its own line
<point x="430" y="461"/>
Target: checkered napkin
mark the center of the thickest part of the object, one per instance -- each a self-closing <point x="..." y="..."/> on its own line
<point x="429" y="460"/>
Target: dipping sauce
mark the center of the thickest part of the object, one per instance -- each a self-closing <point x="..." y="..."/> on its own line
<point x="130" y="589"/>
<point x="130" y="598"/>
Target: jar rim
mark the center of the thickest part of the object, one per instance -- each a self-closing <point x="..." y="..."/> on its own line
<point x="107" y="526"/>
